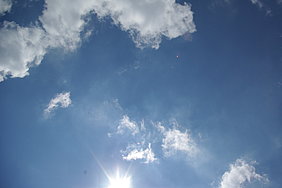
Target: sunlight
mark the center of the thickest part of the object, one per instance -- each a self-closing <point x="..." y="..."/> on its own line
<point x="119" y="182"/>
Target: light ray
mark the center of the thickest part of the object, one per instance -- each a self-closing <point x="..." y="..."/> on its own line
<point x="120" y="182"/>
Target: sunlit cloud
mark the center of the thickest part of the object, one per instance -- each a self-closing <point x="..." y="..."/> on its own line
<point x="137" y="152"/>
<point x="175" y="141"/>
<point x="148" y="21"/>
<point x="126" y="124"/>
<point x="60" y="100"/>
<point x="141" y="139"/>
<point x="240" y="173"/>
<point x="62" y="25"/>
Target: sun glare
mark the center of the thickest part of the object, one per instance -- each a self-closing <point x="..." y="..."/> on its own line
<point x="120" y="182"/>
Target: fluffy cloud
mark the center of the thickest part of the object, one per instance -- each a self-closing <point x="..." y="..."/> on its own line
<point x="20" y="48"/>
<point x="134" y="152"/>
<point x="126" y="123"/>
<point x="23" y="47"/>
<point x="60" y="100"/>
<point x="5" y="6"/>
<point x="64" y="21"/>
<point x="240" y="173"/>
<point x="62" y="25"/>
<point x="174" y="141"/>
<point x="147" y="21"/>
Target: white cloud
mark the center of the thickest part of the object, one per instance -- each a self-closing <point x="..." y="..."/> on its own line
<point x="62" y="25"/>
<point x="174" y="141"/>
<point x="134" y="152"/>
<point x="20" y="48"/>
<point x="126" y="124"/>
<point x="60" y="100"/>
<point x="64" y="21"/>
<point x="5" y="6"/>
<point x="171" y="141"/>
<point x="147" y="21"/>
<point x="239" y="174"/>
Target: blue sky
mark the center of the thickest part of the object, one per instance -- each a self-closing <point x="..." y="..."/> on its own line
<point x="183" y="94"/>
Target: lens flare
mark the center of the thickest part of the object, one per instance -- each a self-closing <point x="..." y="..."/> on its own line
<point x="120" y="182"/>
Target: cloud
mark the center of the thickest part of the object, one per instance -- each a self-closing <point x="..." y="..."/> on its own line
<point x="126" y="123"/>
<point x="257" y="2"/>
<point x="239" y="174"/>
<point x="62" y="25"/>
<point x="20" y="48"/>
<point x="5" y="6"/>
<point x="262" y="6"/>
<point x="148" y="21"/>
<point x="176" y="141"/>
<point x="23" y="47"/>
<point x="60" y="100"/>
<point x="134" y="152"/>
<point x="139" y="139"/>
<point x="64" y="22"/>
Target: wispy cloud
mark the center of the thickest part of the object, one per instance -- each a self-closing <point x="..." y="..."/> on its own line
<point x="257" y="2"/>
<point x="137" y="152"/>
<point x="60" y="100"/>
<point x="262" y="6"/>
<point x="126" y="124"/>
<point x="176" y="141"/>
<point x="62" y="25"/>
<point x="141" y="138"/>
<point x="240" y="173"/>
<point x="5" y="6"/>
<point x="139" y="141"/>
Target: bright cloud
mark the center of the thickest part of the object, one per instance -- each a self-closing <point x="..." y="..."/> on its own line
<point x="126" y="123"/>
<point x="20" y="48"/>
<point x="62" y="25"/>
<point x="240" y="173"/>
<point x="174" y="141"/>
<point x="60" y="100"/>
<point x="5" y="6"/>
<point x="140" y="139"/>
<point x="134" y="152"/>
<point x="148" y="21"/>
<point x="64" y="21"/>
<point x="24" y="47"/>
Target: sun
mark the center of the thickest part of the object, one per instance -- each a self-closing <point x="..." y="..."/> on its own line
<point x="120" y="182"/>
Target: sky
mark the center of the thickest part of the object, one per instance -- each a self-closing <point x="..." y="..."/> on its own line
<point x="140" y="94"/>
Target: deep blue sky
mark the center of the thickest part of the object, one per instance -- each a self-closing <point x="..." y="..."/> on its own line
<point x="222" y="84"/>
